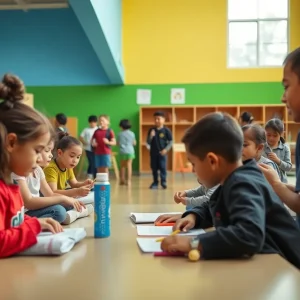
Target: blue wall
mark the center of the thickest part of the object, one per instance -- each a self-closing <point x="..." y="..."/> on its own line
<point x="48" y="47"/>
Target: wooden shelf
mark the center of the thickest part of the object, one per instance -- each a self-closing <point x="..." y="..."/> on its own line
<point x="180" y="118"/>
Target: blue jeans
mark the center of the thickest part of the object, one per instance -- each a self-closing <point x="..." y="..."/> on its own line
<point x="91" y="160"/>
<point x="56" y="212"/>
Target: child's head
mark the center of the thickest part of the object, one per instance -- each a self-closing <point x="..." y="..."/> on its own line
<point x="254" y="141"/>
<point x="46" y="155"/>
<point x="93" y="121"/>
<point x="246" y="118"/>
<point x="159" y="118"/>
<point x="104" y="121"/>
<point x="291" y="83"/>
<point x="212" y="144"/>
<point x="69" y="151"/>
<point x="61" y="119"/>
<point x="125" y="124"/>
<point x="24" y="132"/>
<point x="274" y="131"/>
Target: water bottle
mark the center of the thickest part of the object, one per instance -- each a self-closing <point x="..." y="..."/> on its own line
<point x="102" y="206"/>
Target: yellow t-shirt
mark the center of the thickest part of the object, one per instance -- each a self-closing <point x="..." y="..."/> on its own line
<point x="54" y="174"/>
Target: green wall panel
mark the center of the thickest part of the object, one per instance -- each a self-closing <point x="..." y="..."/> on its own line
<point x="120" y="101"/>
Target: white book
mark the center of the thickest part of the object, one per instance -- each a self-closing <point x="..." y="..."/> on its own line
<point x="149" y="245"/>
<point x="143" y="218"/>
<point x="89" y="199"/>
<point x="143" y="230"/>
<point x="56" y="244"/>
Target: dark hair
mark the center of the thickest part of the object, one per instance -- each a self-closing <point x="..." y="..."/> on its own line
<point x="247" y="117"/>
<point x="218" y="133"/>
<point x="293" y="58"/>
<point x="18" y="118"/>
<point x="159" y="114"/>
<point x="61" y="119"/>
<point x="257" y="132"/>
<point x="125" y="124"/>
<point x="65" y="141"/>
<point x="93" y="119"/>
<point x="276" y="125"/>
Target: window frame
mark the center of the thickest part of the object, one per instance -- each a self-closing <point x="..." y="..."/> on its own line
<point x="257" y="66"/>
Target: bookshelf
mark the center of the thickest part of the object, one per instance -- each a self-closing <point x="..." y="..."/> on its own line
<point x="180" y="118"/>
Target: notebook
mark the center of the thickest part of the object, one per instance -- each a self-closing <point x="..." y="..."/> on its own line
<point x="89" y="199"/>
<point x="56" y="244"/>
<point x="143" y="230"/>
<point x="140" y="218"/>
<point x="148" y="245"/>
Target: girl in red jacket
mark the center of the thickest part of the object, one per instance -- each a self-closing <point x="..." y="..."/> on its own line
<point x="24" y="133"/>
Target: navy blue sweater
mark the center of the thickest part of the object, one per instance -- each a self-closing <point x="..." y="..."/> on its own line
<point x="249" y="218"/>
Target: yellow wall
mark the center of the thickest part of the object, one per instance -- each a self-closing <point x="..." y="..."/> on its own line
<point x="184" y="41"/>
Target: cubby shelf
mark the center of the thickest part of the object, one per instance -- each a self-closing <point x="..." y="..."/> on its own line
<point x="180" y="118"/>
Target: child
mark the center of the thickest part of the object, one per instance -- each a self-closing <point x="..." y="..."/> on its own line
<point x="61" y="122"/>
<point x="254" y="142"/>
<point x="160" y="140"/>
<point x="278" y="151"/>
<point x="59" y="172"/>
<point x="248" y="216"/>
<point x="191" y="198"/>
<point x="288" y="193"/>
<point x="85" y="138"/>
<point x="246" y="118"/>
<point x="126" y="141"/>
<point x="58" y="207"/>
<point x="102" y="140"/>
<point x="24" y="133"/>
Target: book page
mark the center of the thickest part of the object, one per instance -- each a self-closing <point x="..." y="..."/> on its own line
<point x="164" y="231"/>
<point x="148" y="245"/>
<point x="148" y="217"/>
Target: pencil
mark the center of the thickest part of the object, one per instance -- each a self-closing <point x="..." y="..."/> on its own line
<point x="173" y="233"/>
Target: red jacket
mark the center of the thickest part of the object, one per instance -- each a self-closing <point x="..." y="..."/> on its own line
<point x="17" y="230"/>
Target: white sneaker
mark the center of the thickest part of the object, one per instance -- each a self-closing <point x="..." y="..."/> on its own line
<point x="72" y="215"/>
<point x="89" y="209"/>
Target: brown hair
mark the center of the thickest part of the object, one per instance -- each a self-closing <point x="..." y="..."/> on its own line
<point x="65" y="141"/>
<point x="18" y="118"/>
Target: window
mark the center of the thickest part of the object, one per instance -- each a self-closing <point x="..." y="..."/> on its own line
<point x="257" y="33"/>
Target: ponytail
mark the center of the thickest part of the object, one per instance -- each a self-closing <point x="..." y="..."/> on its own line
<point x="3" y="154"/>
<point x="282" y="140"/>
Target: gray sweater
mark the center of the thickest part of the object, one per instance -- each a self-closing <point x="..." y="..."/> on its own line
<point x="283" y="152"/>
<point x="199" y="195"/>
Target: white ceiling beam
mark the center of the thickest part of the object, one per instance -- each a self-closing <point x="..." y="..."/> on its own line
<point x="33" y="6"/>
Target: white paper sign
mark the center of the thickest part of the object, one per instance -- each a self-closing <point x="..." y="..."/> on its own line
<point x="177" y="96"/>
<point x="143" y="96"/>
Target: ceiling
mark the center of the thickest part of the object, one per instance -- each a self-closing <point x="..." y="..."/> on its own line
<point x="32" y="4"/>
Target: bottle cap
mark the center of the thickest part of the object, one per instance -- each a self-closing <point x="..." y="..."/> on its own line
<point x="103" y="177"/>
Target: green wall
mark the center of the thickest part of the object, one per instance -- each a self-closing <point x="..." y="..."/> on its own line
<point x="120" y="101"/>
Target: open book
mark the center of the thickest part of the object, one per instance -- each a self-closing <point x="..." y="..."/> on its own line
<point x="149" y="245"/>
<point x="143" y="218"/>
<point x="143" y="230"/>
<point x="56" y="244"/>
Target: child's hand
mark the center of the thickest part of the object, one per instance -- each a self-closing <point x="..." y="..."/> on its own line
<point x="83" y="191"/>
<point x="48" y="224"/>
<point x="176" y="243"/>
<point x="89" y="183"/>
<point x="163" y="152"/>
<point x="270" y="174"/>
<point x="105" y="141"/>
<point x="186" y="223"/>
<point x="94" y="143"/>
<point x="68" y="201"/>
<point x="272" y="156"/>
<point x="167" y="218"/>
<point x="178" y="196"/>
<point x="152" y="133"/>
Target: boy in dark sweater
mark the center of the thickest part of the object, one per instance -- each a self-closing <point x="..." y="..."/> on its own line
<point x="248" y="216"/>
<point x="160" y="141"/>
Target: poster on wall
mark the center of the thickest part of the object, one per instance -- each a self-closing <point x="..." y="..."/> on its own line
<point x="143" y="96"/>
<point x="177" y="96"/>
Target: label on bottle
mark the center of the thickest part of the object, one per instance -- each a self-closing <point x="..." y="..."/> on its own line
<point x="102" y="210"/>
